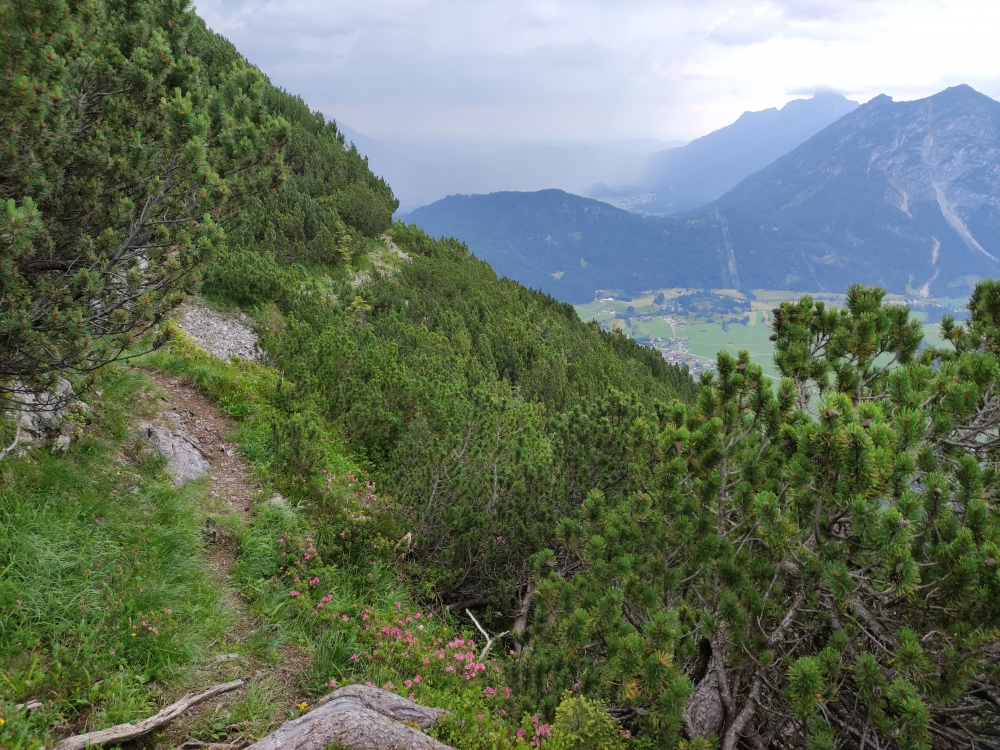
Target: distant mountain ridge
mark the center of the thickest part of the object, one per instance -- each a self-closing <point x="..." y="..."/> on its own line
<point x="570" y="246"/>
<point x="901" y="194"/>
<point x="684" y="178"/>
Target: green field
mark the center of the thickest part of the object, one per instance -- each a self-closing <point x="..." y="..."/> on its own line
<point x="748" y="328"/>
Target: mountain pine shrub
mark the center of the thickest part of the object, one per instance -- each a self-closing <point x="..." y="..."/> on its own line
<point x="119" y="170"/>
<point x="773" y="576"/>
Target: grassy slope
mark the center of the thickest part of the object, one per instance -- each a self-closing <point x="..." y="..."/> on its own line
<point x="101" y="584"/>
<point x="97" y="544"/>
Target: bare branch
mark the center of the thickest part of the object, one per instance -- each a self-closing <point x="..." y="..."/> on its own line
<point x="125" y="732"/>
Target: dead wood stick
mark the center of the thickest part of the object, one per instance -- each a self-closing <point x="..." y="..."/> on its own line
<point x="126" y="732"/>
<point x="489" y="640"/>
<point x="17" y="439"/>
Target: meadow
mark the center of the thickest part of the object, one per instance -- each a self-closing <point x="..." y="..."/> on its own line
<point x="711" y="329"/>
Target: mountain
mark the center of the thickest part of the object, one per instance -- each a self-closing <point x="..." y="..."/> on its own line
<point x="901" y="194"/>
<point x="422" y="173"/>
<point x="571" y="246"/>
<point x="684" y="178"/>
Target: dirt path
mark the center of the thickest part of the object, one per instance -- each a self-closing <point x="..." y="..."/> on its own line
<point x="186" y="409"/>
<point x="231" y="490"/>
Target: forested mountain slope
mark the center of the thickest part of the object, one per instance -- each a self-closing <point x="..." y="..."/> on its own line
<point x="570" y="246"/>
<point x="449" y="389"/>
<point x="469" y="498"/>
<point x="903" y="195"/>
<point x="420" y="369"/>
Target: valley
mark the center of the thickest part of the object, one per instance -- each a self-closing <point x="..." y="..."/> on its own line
<point x="690" y="326"/>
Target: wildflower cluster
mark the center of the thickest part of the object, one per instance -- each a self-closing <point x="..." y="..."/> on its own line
<point x="302" y="572"/>
<point x="533" y="731"/>
<point x="359" y="523"/>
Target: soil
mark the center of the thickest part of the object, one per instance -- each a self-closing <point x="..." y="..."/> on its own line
<point x="231" y="492"/>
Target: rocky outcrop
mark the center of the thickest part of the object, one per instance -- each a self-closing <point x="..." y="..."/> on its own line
<point x="45" y="416"/>
<point x="185" y="460"/>
<point x="356" y="717"/>
<point x="225" y="336"/>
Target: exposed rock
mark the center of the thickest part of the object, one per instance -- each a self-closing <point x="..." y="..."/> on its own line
<point x="358" y="717"/>
<point x="355" y="717"/>
<point x="219" y="334"/>
<point x="277" y="501"/>
<point x="61" y="444"/>
<point x="185" y="460"/>
<point x="42" y="416"/>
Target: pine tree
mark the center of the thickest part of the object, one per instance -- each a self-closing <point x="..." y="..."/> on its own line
<point x="119" y="170"/>
<point x="813" y="565"/>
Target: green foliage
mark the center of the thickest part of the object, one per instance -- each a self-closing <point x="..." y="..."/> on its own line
<point x="329" y="199"/>
<point x="456" y="388"/>
<point x="101" y="583"/>
<point x="121" y="168"/>
<point x="584" y="725"/>
<point x="836" y="567"/>
<point x="321" y="572"/>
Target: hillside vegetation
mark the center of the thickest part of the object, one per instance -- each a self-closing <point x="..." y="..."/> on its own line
<point x="672" y="564"/>
<point x="572" y="247"/>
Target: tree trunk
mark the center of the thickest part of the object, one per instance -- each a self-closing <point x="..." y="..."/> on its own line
<point x="358" y="718"/>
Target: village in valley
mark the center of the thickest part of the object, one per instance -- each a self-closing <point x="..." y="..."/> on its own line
<point x="690" y="326"/>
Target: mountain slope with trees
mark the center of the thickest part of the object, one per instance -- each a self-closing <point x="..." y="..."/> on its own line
<point x="899" y="194"/>
<point x="670" y="563"/>
<point x="570" y="246"/>
<point x="690" y="176"/>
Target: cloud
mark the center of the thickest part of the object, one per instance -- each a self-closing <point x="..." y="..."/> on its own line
<point x="529" y="70"/>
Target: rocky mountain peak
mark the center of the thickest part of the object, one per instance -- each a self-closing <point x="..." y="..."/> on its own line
<point x="905" y="194"/>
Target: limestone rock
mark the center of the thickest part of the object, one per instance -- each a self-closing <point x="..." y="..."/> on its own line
<point x="185" y="460"/>
<point x="42" y="416"/>
<point x="224" y="336"/>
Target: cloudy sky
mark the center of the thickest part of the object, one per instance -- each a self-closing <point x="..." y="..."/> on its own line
<point x="590" y="70"/>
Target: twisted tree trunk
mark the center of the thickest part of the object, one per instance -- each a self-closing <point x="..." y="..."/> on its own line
<point x="355" y="717"/>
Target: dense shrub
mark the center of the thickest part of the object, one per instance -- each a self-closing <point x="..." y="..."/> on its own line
<point x="120" y="169"/>
<point x="759" y="569"/>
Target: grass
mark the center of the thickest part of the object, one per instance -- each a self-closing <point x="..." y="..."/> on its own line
<point x="322" y="573"/>
<point x="708" y="339"/>
<point x="102" y="589"/>
<point x="106" y="607"/>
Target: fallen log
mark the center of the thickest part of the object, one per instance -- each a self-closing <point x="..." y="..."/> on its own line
<point x="125" y="732"/>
